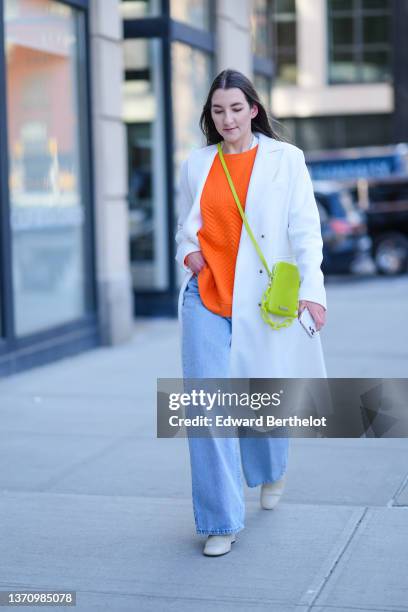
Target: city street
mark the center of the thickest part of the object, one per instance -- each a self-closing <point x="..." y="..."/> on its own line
<point x="91" y="501"/>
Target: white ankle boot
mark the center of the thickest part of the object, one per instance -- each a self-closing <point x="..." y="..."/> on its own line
<point x="218" y="544"/>
<point x="271" y="493"/>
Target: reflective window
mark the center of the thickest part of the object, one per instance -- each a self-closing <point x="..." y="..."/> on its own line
<point x="45" y="162"/>
<point x="312" y="133"/>
<point x="261" y="28"/>
<point x="263" y="87"/>
<point x="192" y="77"/>
<point x="196" y="13"/>
<point x="144" y="117"/>
<point x="284" y="40"/>
<point x="137" y="9"/>
<point x="359" y="40"/>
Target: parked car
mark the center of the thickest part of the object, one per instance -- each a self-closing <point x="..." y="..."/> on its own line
<point x="346" y="245"/>
<point x="385" y="202"/>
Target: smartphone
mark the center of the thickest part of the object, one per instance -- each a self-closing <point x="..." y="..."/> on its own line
<point x="307" y="322"/>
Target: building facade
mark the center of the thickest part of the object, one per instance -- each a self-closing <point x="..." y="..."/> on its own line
<point x="336" y="71"/>
<point x="100" y="105"/>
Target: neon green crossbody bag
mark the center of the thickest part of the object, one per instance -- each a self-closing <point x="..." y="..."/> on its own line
<point x="281" y="296"/>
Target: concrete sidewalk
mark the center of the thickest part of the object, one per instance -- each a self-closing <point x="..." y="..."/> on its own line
<point x="91" y="501"/>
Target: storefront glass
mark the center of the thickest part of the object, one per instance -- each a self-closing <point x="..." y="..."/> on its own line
<point x="144" y="117"/>
<point x="46" y="200"/>
<point x="192" y="77"/>
<point x="196" y="13"/>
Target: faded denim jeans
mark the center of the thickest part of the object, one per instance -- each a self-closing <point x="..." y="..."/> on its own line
<point x="217" y="463"/>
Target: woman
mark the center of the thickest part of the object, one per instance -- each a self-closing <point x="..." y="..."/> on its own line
<point x="223" y="333"/>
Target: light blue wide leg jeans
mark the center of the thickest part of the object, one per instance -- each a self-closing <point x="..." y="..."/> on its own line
<point x="217" y="482"/>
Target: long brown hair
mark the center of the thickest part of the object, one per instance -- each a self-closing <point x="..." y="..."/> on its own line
<point x="226" y="80"/>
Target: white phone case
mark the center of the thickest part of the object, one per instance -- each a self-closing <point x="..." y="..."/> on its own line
<point x="307" y="322"/>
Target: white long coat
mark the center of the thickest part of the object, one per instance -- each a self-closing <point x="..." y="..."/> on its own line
<point x="282" y="213"/>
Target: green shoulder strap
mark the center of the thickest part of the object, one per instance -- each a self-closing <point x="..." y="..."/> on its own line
<point x="238" y="203"/>
<point x="265" y="314"/>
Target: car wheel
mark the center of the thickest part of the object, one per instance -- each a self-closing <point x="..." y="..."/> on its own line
<point x="391" y="254"/>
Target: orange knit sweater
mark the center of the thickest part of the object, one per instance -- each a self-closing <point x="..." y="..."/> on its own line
<point x="220" y="232"/>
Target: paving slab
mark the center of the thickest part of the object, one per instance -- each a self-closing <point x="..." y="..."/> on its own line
<point x="345" y="471"/>
<point x="351" y="475"/>
<point x="401" y="499"/>
<point x="358" y="346"/>
<point x="34" y="462"/>
<point x="124" y="545"/>
<point x="76" y="415"/>
<point x="151" y="467"/>
<point x="372" y="573"/>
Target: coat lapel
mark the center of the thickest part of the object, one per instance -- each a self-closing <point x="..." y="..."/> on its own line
<point x="264" y="172"/>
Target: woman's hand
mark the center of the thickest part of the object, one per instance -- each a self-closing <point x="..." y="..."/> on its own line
<point x="317" y="311"/>
<point x="195" y="261"/>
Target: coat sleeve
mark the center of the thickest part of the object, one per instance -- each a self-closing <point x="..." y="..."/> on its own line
<point x="305" y="235"/>
<point x="185" y="244"/>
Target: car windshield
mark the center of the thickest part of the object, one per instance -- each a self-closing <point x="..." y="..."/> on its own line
<point x="346" y="200"/>
<point x="343" y="205"/>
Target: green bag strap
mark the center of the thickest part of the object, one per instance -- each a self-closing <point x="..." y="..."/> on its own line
<point x="238" y="203"/>
<point x="265" y="314"/>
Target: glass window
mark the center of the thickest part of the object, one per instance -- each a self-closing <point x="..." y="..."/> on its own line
<point x="341" y="5"/>
<point x="137" y="9"/>
<point x="344" y="68"/>
<point x="316" y="133"/>
<point x="373" y="4"/>
<point x="263" y="86"/>
<point x="375" y="29"/>
<point x="342" y="30"/>
<point x="285" y="6"/>
<point x="45" y="162"/>
<point x="261" y="29"/>
<point x="284" y="40"/>
<point x="286" y="32"/>
<point x="191" y="81"/>
<point x="192" y="77"/>
<point x="359" y="40"/>
<point x="196" y="13"/>
<point x="144" y="118"/>
<point x="375" y="65"/>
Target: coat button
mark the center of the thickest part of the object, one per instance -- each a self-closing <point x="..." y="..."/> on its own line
<point x="259" y="303"/>
<point x="262" y="236"/>
<point x="260" y="271"/>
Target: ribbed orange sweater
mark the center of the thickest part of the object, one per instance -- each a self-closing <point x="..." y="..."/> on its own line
<point x="220" y="232"/>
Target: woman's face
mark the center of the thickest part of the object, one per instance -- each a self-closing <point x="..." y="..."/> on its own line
<point x="232" y="114"/>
